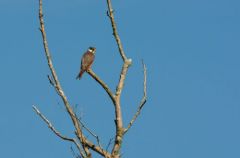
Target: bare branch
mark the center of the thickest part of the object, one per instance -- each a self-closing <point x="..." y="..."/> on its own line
<point x="50" y="126"/>
<point x="45" y="43"/>
<point x="114" y="27"/>
<point x="104" y="85"/>
<point x="143" y="101"/>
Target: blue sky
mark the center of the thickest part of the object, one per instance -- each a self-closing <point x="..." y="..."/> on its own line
<point x="191" y="49"/>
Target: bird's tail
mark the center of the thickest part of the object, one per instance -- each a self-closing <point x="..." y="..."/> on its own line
<point x="79" y="76"/>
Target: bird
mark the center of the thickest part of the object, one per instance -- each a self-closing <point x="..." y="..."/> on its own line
<point x="87" y="61"/>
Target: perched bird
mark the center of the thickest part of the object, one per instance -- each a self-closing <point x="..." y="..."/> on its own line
<point x="87" y="60"/>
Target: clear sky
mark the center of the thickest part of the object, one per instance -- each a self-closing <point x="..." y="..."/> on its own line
<point x="192" y="52"/>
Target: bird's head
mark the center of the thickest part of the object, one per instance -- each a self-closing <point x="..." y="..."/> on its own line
<point x="92" y="50"/>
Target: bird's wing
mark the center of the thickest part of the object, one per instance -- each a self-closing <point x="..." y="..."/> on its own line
<point x="87" y="60"/>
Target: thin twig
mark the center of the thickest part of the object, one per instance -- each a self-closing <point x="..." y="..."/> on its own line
<point x="143" y="101"/>
<point x="104" y="85"/>
<point x="51" y="81"/>
<point x="96" y="148"/>
<point x="74" y="154"/>
<point x="50" y="126"/>
<point x="94" y="135"/>
<point x="89" y="144"/>
<point x="53" y="84"/>
<point x="109" y="143"/>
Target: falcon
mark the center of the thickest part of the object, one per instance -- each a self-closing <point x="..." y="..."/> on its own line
<point x="87" y="60"/>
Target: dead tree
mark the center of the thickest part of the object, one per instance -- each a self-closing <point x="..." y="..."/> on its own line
<point x="83" y="144"/>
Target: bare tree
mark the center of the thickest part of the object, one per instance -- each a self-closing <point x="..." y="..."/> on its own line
<point x="83" y="144"/>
